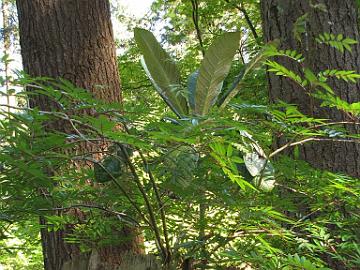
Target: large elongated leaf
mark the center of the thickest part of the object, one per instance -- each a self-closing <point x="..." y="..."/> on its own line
<point x="269" y="50"/>
<point x="213" y="70"/>
<point x="162" y="71"/>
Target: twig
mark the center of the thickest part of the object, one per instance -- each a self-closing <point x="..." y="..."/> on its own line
<point x="337" y="123"/>
<point x="120" y="187"/>
<point x="158" y="197"/>
<point x="160" y="203"/>
<point x="147" y="202"/>
<point x="118" y="214"/>
<point x="311" y="139"/>
<point x="195" y="17"/>
<point x="248" y="20"/>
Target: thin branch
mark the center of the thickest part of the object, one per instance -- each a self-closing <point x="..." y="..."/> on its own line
<point x="157" y="195"/>
<point x="312" y="139"/>
<point x="239" y="234"/>
<point x="146" y="199"/>
<point x="195" y="17"/>
<point x="309" y="215"/>
<point x="247" y="19"/>
<point x="160" y="203"/>
<point x="120" y="187"/>
<point x="337" y="123"/>
<point x="138" y="87"/>
<point x="118" y="214"/>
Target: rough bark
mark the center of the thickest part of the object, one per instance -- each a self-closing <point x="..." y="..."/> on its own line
<point x="72" y="39"/>
<point x="331" y="16"/>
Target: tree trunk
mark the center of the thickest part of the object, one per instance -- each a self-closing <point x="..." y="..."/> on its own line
<point x="331" y="16"/>
<point x="72" y="39"/>
<point x="7" y="43"/>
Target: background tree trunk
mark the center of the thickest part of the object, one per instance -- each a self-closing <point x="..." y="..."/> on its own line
<point x="331" y="16"/>
<point x="72" y="39"/>
<point x="5" y="6"/>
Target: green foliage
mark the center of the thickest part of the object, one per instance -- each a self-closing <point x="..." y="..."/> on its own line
<point x="192" y="163"/>
<point x="280" y="70"/>
<point x="318" y="82"/>
<point x="299" y="27"/>
<point x="112" y="166"/>
<point x="339" y="42"/>
<point x="181" y="154"/>
<point x="208" y="185"/>
<point x="20" y="245"/>
<point x="180" y="166"/>
<point x="204" y="85"/>
<point x="161" y="70"/>
<point x="346" y="75"/>
<point x="213" y="71"/>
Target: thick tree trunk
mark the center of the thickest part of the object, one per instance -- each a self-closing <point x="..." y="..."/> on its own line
<point x="331" y="16"/>
<point x="72" y="39"/>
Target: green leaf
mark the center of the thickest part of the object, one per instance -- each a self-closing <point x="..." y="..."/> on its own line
<point x="280" y="70"/>
<point x="269" y="49"/>
<point x="339" y="42"/>
<point x="355" y="108"/>
<point x="213" y="70"/>
<point x="310" y="76"/>
<point x="299" y="27"/>
<point x="233" y="88"/>
<point x="109" y="168"/>
<point x="192" y="88"/>
<point x="161" y="70"/>
<point x="181" y="164"/>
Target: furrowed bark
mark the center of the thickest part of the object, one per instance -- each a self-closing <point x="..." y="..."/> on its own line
<point x="336" y="17"/>
<point x="73" y="40"/>
<point x="323" y="16"/>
